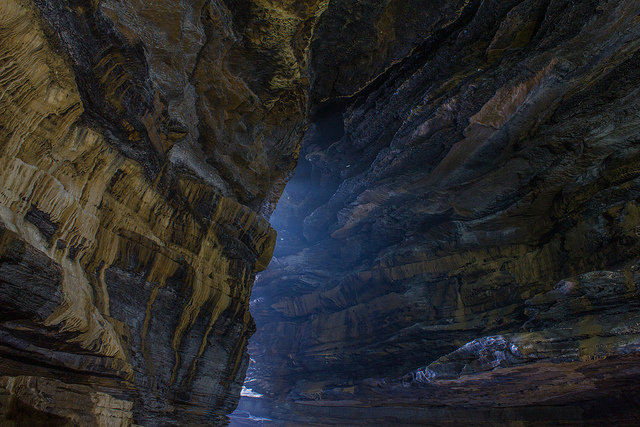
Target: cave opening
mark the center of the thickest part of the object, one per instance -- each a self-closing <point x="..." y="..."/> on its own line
<point x="312" y="184"/>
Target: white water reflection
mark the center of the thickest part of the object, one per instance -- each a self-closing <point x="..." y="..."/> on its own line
<point x="249" y="393"/>
<point x="245" y="419"/>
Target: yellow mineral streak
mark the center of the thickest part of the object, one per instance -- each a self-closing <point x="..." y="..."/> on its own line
<point x="102" y="204"/>
<point x="111" y="412"/>
<point x="288" y="22"/>
<point x="75" y="403"/>
<point x="39" y="104"/>
<point x="209" y="279"/>
<point x="237" y="351"/>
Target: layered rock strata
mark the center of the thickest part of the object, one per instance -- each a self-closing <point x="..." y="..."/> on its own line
<point x="143" y="146"/>
<point x="460" y="242"/>
<point x="462" y="236"/>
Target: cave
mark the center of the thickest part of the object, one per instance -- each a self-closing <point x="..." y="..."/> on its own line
<point x="319" y="213"/>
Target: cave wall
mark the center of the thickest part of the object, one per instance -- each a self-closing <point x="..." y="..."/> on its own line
<point x="143" y="146"/>
<point x="462" y="231"/>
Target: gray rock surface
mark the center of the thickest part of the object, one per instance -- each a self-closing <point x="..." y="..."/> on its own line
<point x="469" y="234"/>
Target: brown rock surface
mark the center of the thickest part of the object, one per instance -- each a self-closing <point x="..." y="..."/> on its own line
<point x="139" y="160"/>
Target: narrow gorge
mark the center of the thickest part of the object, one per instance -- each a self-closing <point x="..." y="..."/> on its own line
<point x="430" y="208"/>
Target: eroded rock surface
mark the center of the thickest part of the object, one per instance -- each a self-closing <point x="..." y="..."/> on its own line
<point x="143" y="146"/>
<point x="460" y="242"/>
<point x="463" y="235"/>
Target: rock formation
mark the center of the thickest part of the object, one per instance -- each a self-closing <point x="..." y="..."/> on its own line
<point x="143" y="146"/>
<point x="461" y="240"/>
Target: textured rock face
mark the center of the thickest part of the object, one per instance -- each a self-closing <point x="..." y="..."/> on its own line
<point x="460" y="242"/>
<point x="142" y="146"/>
<point x="464" y="231"/>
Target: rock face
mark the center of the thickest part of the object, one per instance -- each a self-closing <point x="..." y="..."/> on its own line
<point x="461" y="239"/>
<point x="143" y="146"/>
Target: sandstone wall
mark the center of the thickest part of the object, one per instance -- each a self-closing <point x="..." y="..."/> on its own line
<point x="143" y="146"/>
